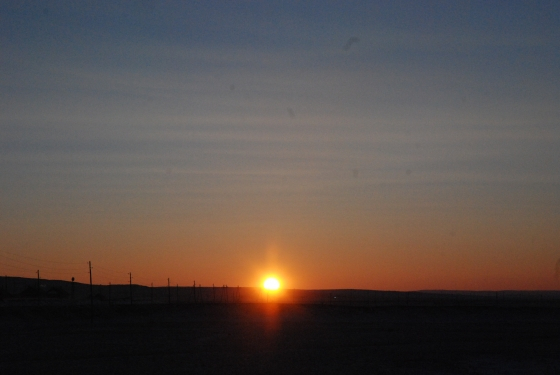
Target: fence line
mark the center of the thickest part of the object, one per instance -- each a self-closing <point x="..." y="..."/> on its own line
<point x="19" y="290"/>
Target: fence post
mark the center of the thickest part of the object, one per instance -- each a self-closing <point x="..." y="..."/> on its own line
<point x="130" y="274"/>
<point x="38" y="288"/>
<point x="194" y="291"/>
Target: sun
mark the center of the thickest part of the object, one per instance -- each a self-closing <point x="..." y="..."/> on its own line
<point x="271" y="284"/>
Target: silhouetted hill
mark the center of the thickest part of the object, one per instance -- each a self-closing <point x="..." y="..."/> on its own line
<point x="24" y="290"/>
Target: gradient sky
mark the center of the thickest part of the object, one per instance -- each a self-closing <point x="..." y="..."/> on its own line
<point x="398" y="145"/>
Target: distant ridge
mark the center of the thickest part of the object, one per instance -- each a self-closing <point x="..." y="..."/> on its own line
<point x="20" y="290"/>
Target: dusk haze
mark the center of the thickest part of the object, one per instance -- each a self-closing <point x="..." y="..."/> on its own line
<point x="379" y="145"/>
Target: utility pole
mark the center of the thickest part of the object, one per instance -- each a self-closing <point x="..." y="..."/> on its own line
<point x="214" y="293"/>
<point x="169" y="291"/>
<point x="130" y="274"/>
<point x="91" y="291"/>
<point x="72" y="289"/>
<point x="194" y="290"/>
<point x="152" y="294"/>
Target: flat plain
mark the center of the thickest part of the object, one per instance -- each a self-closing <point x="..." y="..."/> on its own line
<point x="271" y="338"/>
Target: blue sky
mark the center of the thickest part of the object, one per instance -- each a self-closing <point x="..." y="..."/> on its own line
<point x="228" y="129"/>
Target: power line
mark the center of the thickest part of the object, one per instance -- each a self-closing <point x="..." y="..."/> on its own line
<point x="109" y="276"/>
<point x="21" y="268"/>
<point x="40" y="260"/>
<point x="110" y="270"/>
<point x="38" y="264"/>
<point x="48" y="273"/>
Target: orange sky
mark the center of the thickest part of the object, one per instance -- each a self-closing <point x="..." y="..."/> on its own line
<point x="376" y="145"/>
<point x="475" y="249"/>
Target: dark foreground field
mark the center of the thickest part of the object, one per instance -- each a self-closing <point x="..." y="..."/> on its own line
<point x="279" y="339"/>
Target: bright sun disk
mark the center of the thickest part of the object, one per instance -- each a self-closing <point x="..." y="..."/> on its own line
<point x="271" y="284"/>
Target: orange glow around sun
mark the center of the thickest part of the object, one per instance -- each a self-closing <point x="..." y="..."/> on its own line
<point x="271" y="283"/>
